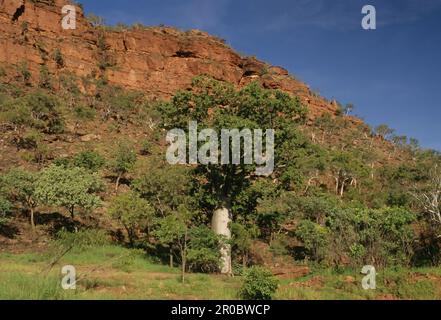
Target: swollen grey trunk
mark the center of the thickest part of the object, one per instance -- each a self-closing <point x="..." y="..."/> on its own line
<point x="220" y="226"/>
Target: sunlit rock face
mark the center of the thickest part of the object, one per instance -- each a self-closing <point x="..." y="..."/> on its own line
<point x="156" y="60"/>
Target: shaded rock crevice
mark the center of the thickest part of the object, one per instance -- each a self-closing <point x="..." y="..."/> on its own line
<point x="184" y="54"/>
<point x="18" y="13"/>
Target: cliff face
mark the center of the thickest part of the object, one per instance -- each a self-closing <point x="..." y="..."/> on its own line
<point x="158" y="60"/>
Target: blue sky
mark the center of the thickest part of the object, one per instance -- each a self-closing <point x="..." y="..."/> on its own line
<point x="392" y="75"/>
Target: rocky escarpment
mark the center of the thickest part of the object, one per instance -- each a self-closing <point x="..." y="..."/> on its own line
<point x="157" y="60"/>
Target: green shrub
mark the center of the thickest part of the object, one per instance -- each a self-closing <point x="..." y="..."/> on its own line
<point x="314" y="238"/>
<point x="29" y="141"/>
<point x="203" y="250"/>
<point x="84" y="113"/>
<point x="242" y="239"/>
<point x="123" y="160"/>
<point x="381" y="236"/>
<point x="169" y="189"/>
<point x="42" y="153"/>
<point x="33" y="140"/>
<point x="46" y="112"/>
<point x="258" y="284"/>
<point x="45" y="78"/>
<point x="357" y="251"/>
<point x="89" y="160"/>
<point x="5" y="210"/>
<point x="62" y="162"/>
<point x="105" y="59"/>
<point x="279" y="245"/>
<point x="133" y="212"/>
<point x="58" y="58"/>
<point x="38" y="110"/>
<point x="81" y="240"/>
<point x="146" y="147"/>
<point x="24" y="72"/>
<point x="121" y="101"/>
<point x="24" y="27"/>
<point x="69" y="83"/>
<point x="16" y="112"/>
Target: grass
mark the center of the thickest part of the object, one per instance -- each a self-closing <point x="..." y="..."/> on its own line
<point x="392" y="283"/>
<point x="107" y="272"/>
<point x="111" y="272"/>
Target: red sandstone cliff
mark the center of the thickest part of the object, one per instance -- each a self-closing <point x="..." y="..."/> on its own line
<point x="156" y="60"/>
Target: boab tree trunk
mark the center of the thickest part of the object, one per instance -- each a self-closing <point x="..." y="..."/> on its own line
<point x="220" y="225"/>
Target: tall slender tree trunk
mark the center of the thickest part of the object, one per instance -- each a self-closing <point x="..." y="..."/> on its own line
<point x="342" y="189"/>
<point x="117" y="182"/>
<point x="220" y="225"/>
<point x="171" y="257"/>
<point x="32" y="219"/>
<point x="184" y="256"/>
<point x="130" y="235"/>
<point x="183" y="269"/>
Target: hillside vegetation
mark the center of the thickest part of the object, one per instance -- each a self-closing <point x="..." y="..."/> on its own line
<point x="84" y="181"/>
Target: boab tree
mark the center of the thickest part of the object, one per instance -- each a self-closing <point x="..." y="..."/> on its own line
<point x="219" y="106"/>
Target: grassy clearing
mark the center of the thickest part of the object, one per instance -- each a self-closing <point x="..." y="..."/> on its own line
<point x="107" y="272"/>
<point x="111" y="272"/>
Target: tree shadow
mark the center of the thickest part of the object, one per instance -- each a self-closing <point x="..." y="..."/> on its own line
<point x="427" y="252"/>
<point x="8" y="231"/>
<point x="123" y="181"/>
<point x="118" y="236"/>
<point x="299" y="253"/>
<point x="56" y="222"/>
